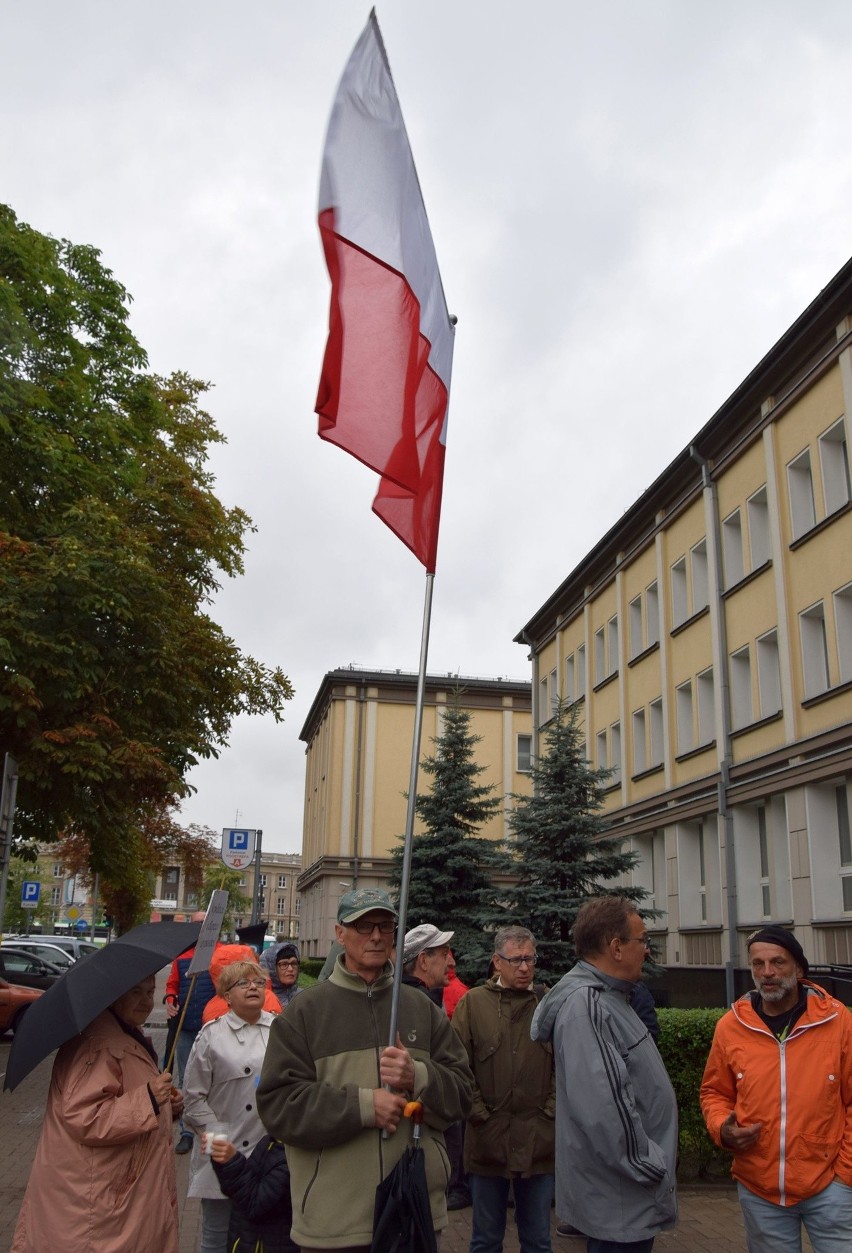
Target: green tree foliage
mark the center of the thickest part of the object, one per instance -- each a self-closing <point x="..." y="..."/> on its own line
<point x="451" y="865"/>
<point x="561" y="856"/>
<point x="218" y="876"/>
<point x="157" y="840"/>
<point x="114" y="680"/>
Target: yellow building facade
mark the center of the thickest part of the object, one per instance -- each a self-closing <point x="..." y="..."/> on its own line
<point x="359" y="734"/>
<point x="708" y="640"/>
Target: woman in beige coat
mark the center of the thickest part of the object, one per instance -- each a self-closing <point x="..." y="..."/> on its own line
<point x="103" y="1179"/>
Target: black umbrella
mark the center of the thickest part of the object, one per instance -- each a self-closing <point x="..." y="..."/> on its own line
<point x="253" y="933"/>
<point x="402" y="1219"/>
<point x="91" y="985"/>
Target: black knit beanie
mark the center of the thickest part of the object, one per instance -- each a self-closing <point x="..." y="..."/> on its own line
<point x="784" y="939"/>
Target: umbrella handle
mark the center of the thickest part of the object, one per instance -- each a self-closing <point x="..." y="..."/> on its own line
<point x="414" y="1111"/>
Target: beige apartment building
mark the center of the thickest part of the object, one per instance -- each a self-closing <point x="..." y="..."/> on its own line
<point x="359" y="734"/>
<point x="708" y="640"/>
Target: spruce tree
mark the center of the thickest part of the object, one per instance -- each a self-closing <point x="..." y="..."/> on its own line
<point x="451" y="865"/>
<point x="561" y="856"/>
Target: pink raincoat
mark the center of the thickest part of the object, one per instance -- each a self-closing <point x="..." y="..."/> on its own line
<point x="103" y="1178"/>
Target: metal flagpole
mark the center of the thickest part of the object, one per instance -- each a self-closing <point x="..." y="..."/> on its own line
<point x="409" y="817"/>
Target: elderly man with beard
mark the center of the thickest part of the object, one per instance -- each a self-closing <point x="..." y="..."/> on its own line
<point x="777" y="1092"/>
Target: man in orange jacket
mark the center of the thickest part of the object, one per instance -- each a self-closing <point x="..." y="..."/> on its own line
<point x="777" y="1092"/>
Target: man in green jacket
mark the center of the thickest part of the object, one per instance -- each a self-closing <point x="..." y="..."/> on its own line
<point x="330" y="1087"/>
<point x="510" y="1134"/>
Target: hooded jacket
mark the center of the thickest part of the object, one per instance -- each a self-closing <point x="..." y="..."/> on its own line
<point x="268" y="958"/>
<point x="316" y="1094"/>
<point x="510" y="1130"/>
<point x="799" y="1089"/>
<point x="103" y="1178"/>
<point x="616" y="1112"/>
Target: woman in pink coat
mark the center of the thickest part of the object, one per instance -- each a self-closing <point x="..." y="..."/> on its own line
<point x="103" y="1179"/>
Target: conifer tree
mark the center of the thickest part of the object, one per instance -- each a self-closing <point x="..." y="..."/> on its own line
<point x="561" y="856"/>
<point x="451" y="864"/>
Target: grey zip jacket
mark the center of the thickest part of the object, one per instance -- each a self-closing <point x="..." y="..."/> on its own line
<point x="616" y="1113"/>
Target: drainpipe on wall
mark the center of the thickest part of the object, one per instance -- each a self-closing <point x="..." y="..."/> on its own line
<point x="356" y="825"/>
<point x="709" y="486"/>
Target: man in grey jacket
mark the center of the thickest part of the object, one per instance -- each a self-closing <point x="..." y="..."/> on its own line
<point x="616" y="1114"/>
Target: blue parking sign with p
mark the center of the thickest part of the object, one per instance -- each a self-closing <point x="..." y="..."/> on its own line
<point x="29" y="893"/>
<point x="238" y="846"/>
<point x="238" y="840"/>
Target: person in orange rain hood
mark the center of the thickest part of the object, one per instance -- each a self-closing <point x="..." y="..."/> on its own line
<point x="225" y="955"/>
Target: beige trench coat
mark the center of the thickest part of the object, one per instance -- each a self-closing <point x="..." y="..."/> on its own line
<point x="103" y="1178"/>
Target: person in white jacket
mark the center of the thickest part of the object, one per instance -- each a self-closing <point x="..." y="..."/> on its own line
<point x="220" y="1085"/>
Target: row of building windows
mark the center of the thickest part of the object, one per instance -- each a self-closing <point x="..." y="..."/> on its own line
<point x="763" y="862"/>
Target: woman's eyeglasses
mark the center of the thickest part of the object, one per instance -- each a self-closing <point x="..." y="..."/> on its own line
<point x="248" y="983"/>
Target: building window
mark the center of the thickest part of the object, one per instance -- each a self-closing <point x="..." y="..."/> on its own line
<point x="843" y="627"/>
<point x="698" y="874"/>
<point x="768" y="674"/>
<point x="282" y="905"/>
<point x="282" y="881"/>
<point x="801" y="485"/>
<point x="814" y="650"/>
<point x="56" y="896"/>
<point x="834" y="459"/>
<point x="650" y="869"/>
<point x="612" y="644"/>
<point x="741" y="708"/>
<point x="700" y="584"/>
<point x="652" y="615"/>
<point x="524" y="754"/>
<point x="757" y="510"/>
<point x="544" y="702"/>
<point x="263" y="880"/>
<point x="763" y="854"/>
<point x="683" y="710"/>
<point x="600" y="655"/>
<point x="570" y="681"/>
<point x="171" y="882"/>
<point x="656" y="737"/>
<point x="732" y="548"/>
<point x="600" y="739"/>
<point x="242" y="882"/>
<point x="634" y="626"/>
<point x="58" y="870"/>
<point x="298" y="905"/>
<point x="680" y="601"/>
<point x="581" y="671"/>
<point x="640" y="752"/>
<point x="841" y="801"/>
<point x="615" y="751"/>
<point x="702" y="872"/>
<point x="706" y="711"/>
<point x="554" y="693"/>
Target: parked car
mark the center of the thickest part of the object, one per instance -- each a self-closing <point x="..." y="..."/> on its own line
<point x="47" y="952"/>
<point x="70" y="943"/>
<point x="14" y="1003"/>
<point x="26" y="970"/>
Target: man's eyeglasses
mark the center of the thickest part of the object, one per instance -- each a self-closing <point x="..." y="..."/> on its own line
<point x="367" y="928"/>
<point x="644" y="940"/>
<point x="519" y="961"/>
<point x="248" y="983"/>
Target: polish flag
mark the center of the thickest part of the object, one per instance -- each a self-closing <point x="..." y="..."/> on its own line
<point x="384" y="390"/>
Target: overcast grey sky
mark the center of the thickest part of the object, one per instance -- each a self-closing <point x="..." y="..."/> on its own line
<point x="630" y="202"/>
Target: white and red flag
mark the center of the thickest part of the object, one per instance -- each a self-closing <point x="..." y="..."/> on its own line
<point x="384" y="390"/>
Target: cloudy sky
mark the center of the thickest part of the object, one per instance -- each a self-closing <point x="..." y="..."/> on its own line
<point x="630" y="200"/>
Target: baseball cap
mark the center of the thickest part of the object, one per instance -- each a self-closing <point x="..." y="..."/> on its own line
<point x="353" y="905"/>
<point x="423" y="937"/>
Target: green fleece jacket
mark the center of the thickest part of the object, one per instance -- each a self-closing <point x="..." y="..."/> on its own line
<point x="316" y="1095"/>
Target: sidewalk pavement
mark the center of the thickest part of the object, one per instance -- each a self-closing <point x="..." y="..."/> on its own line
<point x="710" y="1219"/>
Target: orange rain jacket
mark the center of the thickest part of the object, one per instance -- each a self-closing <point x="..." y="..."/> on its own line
<point x="800" y="1090"/>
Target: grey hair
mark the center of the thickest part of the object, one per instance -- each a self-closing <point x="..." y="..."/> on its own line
<point x="511" y="935"/>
